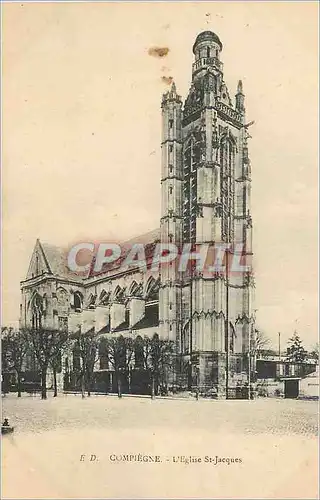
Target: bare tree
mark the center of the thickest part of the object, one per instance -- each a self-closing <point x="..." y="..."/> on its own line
<point x="87" y="348"/>
<point x="48" y="344"/>
<point x="159" y="360"/>
<point x="55" y="364"/>
<point x="14" y="349"/>
<point x="119" y="352"/>
<point x="260" y="342"/>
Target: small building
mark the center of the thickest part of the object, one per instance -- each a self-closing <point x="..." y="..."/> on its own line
<point x="309" y="385"/>
<point x="276" y="377"/>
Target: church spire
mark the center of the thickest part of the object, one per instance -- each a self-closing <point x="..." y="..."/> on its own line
<point x="240" y="98"/>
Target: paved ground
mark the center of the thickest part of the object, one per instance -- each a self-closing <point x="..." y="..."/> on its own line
<point x="270" y="416"/>
<point x="275" y="440"/>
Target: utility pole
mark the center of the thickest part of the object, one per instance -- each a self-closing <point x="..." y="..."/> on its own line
<point x="279" y="345"/>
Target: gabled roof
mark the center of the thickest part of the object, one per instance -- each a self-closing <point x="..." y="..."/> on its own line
<point x="50" y="259"/>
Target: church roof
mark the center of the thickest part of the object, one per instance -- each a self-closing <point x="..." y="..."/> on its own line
<point x="148" y="239"/>
<point x="57" y="259"/>
<point x="47" y="258"/>
<point x="51" y="259"/>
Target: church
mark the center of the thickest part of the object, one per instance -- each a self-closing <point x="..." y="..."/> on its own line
<point x="205" y="189"/>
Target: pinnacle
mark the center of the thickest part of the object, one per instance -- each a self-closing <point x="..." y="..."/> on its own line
<point x="240" y="87"/>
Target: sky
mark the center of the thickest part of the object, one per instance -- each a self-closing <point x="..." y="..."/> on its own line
<point x="82" y="131"/>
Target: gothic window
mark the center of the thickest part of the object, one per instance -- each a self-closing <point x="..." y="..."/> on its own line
<point x="37" y="311"/>
<point x="152" y="289"/>
<point x="118" y="294"/>
<point x="170" y="124"/>
<point x="208" y="51"/>
<point x="91" y="301"/>
<point x="170" y="190"/>
<point x="37" y="265"/>
<point x="170" y="148"/>
<point x="104" y="298"/>
<point x="171" y="169"/>
<point x="77" y="301"/>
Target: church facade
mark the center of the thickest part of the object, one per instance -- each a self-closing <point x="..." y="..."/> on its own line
<point x="205" y="189"/>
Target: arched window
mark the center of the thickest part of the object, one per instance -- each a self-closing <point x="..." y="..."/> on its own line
<point x="37" y="311"/>
<point x="37" y="265"/>
<point x="78" y="300"/>
<point x="104" y="298"/>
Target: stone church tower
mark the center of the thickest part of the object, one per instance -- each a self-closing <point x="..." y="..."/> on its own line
<point x="205" y="189"/>
<point x="206" y="185"/>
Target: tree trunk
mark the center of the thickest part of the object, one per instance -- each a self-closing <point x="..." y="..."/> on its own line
<point x="153" y="391"/>
<point x="19" y="383"/>
<point x="82" y="386"/>
<point x="129" y="381"/>
<point x="119" y="385"/>
<point x="89" y="386"/>
<point x="55" y="388"/>
<point x="44" y="382"/>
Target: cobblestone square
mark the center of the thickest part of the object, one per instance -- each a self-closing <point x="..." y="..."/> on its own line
<point x="273" y="439"/>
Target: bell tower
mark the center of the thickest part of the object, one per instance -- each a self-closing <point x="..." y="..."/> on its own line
<point x="216" y="307"/>
<point x="171" y="209"/>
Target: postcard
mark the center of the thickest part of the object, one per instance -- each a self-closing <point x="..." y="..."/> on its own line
<point x="159" y="329"/>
